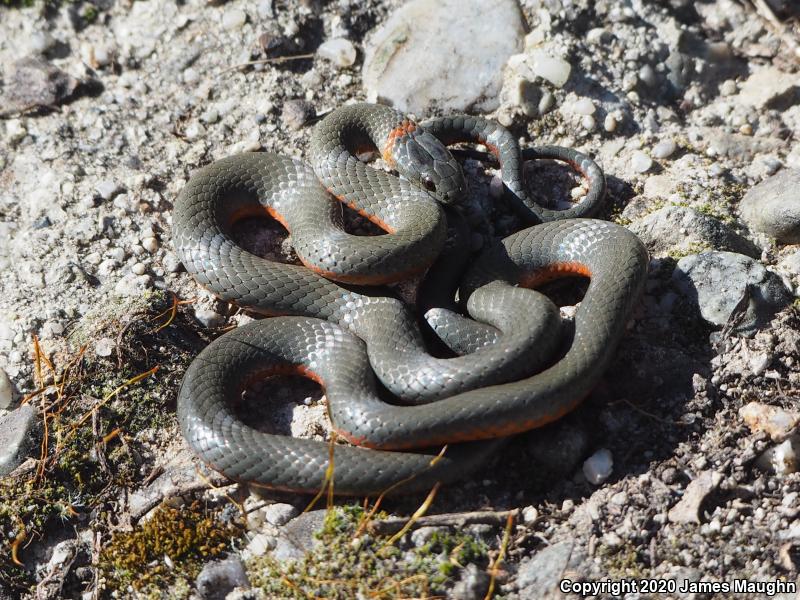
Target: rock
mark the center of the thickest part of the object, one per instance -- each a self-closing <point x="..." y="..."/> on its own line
<point x="462" y="46"/>
<point x="677" y="229"/>
<point x="6" y="391"/>
<point x="35" y="82"/>
<point x="777" y="422"/>
<point x="599" y="466"/>
<point x="472" y="584"/>
<point x="104" y="347"/>
<point x="783" y="458"/>
<point x="259" y="545"/>
<point x="107" y="189"/>
<point x="770" y="88"/>
<point x="297" y="537"/>
<point x="553" y="69"/>
<point x="16" y="437"/>
<point x="529" y="515"/>
<point x="423" y="535"/>
<point x="664" y="149"/>
<point x="279" y="514"/>
<point x="687" y="510"/>
<point x="721" y="283"/>
<point x="209" y="318"/>
<point x="297" y="113"/>
<point x="640" y="162"/>
<point x="540" y="576"/>
<point x="527" y="96"/>
<point x="584" y="106"/>
<point x="219" y="577"/>
<point x="339" y="51"/>
<point x="233" y="18"/>
<point x="773" y="206"/>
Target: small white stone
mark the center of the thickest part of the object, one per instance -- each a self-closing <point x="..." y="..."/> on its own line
<point x="279" y="513"/>
<point x="610" y="123"/>
<point x="554" y="70"/>
<point x="664" y="149"/>
<point x="728" y="88"/>
<point x="547" y="102"/>
<point x="598" y="467"/>
<point x="107" y="189"/>
<point x="339" y="51"/>
<point x="233" y="19"/>
<point x="138" y="268"/>
<point x="640" y="162"/>
<point x="104" y="347"/>
<point x="6" y="390"/>
<point x="209" y="318"/>
<point x="150" y="244"/>
<point x="529" y="514"/>
<point x="583" y="106"/>
<point x="588" y="123"/>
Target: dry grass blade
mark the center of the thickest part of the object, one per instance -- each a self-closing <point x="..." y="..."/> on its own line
<point x="327" y="482"/>
<point x="417" y="514"/>
<point x="501" y="553"/>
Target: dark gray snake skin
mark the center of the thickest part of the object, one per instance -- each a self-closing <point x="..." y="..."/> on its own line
<point x="340" y="334"/>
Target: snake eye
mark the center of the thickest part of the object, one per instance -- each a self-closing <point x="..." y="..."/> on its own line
<point x="428" y="184"/>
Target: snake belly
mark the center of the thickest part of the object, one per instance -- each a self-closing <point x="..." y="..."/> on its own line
<point x="341" y="334"/>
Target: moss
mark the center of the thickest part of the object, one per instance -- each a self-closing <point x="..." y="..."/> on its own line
<point x="343" y="566"/>
<point x="186" y="536"/>
<point x="86" y="460"/>
<point x="622" y="562"/>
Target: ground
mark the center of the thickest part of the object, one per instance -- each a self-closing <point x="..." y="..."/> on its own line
<point x="685" y="105"/>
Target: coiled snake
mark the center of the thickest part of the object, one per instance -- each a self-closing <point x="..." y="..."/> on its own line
<point x="507" y="378"/>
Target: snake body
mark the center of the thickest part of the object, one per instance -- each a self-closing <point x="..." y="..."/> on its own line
<point x="340" y="334"/>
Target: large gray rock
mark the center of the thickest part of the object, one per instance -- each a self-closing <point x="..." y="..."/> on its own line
<point x="297" y="536"/>
<point x="773" y="206"/>
<point x="676" y="229"/>
<point x="16" y="437"/>
<point x="541" y="575"/>
<point x="723" y="283"/>
<point x="443" y="53"/>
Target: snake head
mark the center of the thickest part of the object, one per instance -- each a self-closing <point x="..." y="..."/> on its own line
<point x="425" y="161"/>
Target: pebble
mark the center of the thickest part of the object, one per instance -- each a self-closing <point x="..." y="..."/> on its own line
<point x="150" y="244"/>
<point x="36" y="82"/>
<point x="716" y="282"/>
<point x="783" y="458"/>
<point x="778" y="422"/>
<point x="260" y="544"/>
<point x="588" y="123"/>
<point x="41" y="41"/>
<point x="6" y="391"/>
<point x="171" y="263"/>
<point x="279" y="513"/>
<point x="233" y="18"/>
<point x="598" y="467"/>
<point x="773" y="206"/>
<point x="107" y="189"/>
<point x="138" y="268"/>
<point x="647" y="75"/>
<point x="297" y="113"/>
<point x="527" y="96"/>
<point x="220" y="577"/>
<point x="421" y="57"/>
<point x="640" y="162"/>
<point x="423" y="535"/>
<point x="584" y="106"/>
<point x="209" y="318"/>
<point x="104" y="347"/>
<point x="529" y="515"/>
<point x="552" y="69"/>
<point x="472" y="584"/>
<point x="664" y="149"/>
<point x="610" y="123"/>
<point x="539" y="576"/>
<point x="340" y="51"/>
<point x="728" y="88"/>
<point x="547" y="102"/>
<point x="16" y="437"/>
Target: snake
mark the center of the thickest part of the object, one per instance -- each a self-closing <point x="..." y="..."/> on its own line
<point x="513" y="366"/>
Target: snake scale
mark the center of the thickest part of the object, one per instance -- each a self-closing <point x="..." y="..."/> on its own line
<point x="510" y="372"/>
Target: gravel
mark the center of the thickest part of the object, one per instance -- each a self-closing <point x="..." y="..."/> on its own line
<point x="691" y="109"/>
